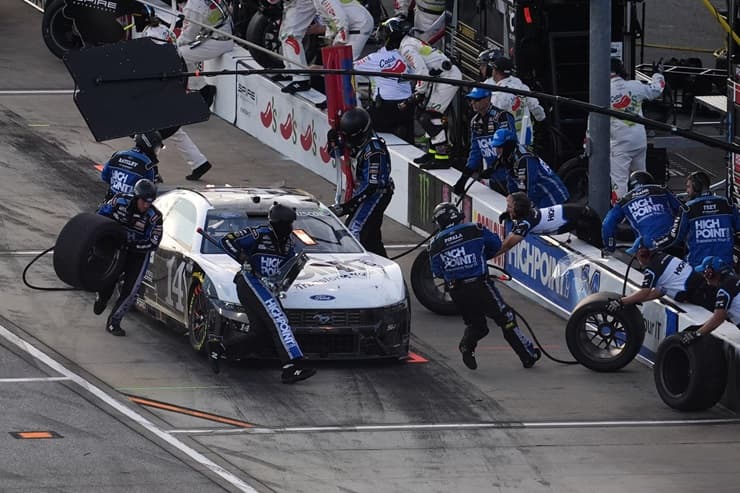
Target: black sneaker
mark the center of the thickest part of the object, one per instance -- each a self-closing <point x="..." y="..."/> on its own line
<point x="208" y="92"/>
<point x="199" y="171"/>
<point x="280" y="77"/>
<point x="99" y="306"/>
<point x="425" y="158"/>
<point x="469" y="358"/>
<point x="533" y="359"/>
<point x="436" y="164"/>
<point x="116" y="330"/>
<point x="298" y="86"/>
<point x="216" y="350"/>
<point x="293" y="374"/>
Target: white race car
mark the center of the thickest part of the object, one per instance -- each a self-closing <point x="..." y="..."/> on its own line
<point x="342" y="301"/>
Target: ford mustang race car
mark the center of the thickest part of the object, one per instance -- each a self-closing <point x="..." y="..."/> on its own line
<point x="341" y="301"/>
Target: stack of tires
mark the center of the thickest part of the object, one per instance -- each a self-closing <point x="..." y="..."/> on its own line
<point x="88" y="253"/>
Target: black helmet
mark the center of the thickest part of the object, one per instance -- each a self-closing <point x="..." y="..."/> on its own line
<point x="503" y="64"/>
<point x="145" y="189"/>
<point x="149" y="142"/>
<point x="281" y="220"/>
<point x="392" y="31"/>
<point x="446" y="214"/>
<point x="699" y="182"/>
<point x="640" y="178"/>
<point x="617" y="67"/>
<point x="486" y="57"/>
<point x="355" y="125"/>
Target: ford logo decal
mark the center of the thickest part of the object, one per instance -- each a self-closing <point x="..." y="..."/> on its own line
<point x="322" y="297"/>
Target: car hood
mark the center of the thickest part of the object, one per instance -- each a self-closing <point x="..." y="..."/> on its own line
<point x="327" y="281"/>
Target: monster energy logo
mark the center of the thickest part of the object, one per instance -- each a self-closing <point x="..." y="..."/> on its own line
<point x="425" y="189"/>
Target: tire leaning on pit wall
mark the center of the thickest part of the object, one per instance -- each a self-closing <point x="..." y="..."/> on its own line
<point x="603" y="341"/>
<point x="429" y="290"/>
<point x="264" y="30"/>
<point x="57" y="30"/>
<point x="690" y="378"/>
<point x="88" y="254"/>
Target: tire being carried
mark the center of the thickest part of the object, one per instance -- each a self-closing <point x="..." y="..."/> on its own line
<point x="88" y="254"/>
<point x="603" y="341"/>
<point x="690" y="378"/>
<point x="428" y="290"/>
<point x="58" y="31"/>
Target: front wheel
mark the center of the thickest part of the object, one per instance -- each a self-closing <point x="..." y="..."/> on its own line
<point x="202" y="318"/>
<point x="604" y="341"/>
<point x="429" y="290"/>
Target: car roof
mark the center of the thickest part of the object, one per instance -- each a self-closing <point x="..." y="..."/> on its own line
<point x="255" y="200"/>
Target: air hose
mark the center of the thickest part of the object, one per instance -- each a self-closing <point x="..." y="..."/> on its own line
<point x="42" y="288"/>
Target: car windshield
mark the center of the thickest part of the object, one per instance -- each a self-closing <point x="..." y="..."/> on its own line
<point x="314" y="231"/>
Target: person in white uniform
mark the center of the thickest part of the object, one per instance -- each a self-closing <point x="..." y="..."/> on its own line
<point x="429" y="16"/>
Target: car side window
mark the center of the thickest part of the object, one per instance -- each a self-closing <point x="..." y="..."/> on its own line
<point x="180" y="223"/>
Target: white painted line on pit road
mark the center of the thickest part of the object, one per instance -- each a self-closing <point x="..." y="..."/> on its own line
<point x="126" y="411"/>
<point x="34" y="5"/>
<point x="20" y="253"/>
<point x="35" y="92"/>
<point x="33" y="379"/>
<point x="462" y="426"/>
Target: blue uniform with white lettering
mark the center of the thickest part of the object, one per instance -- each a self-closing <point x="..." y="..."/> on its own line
<point x="649" y="209"/>
<point x="459" y="255"/>
<point x="533" y="176"/>
<point x="373" y="190"/>
<point x="707" y="224"/>
<point x="482" y="128"/>
<point x="263" y="254"/>
<point x="125" y="168"/>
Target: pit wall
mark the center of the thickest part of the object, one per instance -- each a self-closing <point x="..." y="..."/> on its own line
<point x="554" y="271"/>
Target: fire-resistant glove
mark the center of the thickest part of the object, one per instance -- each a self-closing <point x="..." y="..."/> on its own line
<point x="689" y="337"/>
<point x="459" y="187"/>
<point x="333" y="140"/>
<point x="503" y="217"/>
<point x="614" y="305"/>
<point x="337" y="209"/>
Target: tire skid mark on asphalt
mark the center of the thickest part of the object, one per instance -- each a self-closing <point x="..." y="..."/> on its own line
<point x="126" y="411"/>
<point x="497" y="425"/>
<point x="165" y="406"/>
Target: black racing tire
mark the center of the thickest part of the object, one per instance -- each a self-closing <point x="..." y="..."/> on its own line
<point x="574" y="173"/>
<point x="428" y="290"/>
<point x="202" y="318"/>
<point x="690" y="378"/>
<point x="264" y="30"/>
<point x="58" y="31"/>
<point x="603" y="341"/>
<point x="88" y="253"/>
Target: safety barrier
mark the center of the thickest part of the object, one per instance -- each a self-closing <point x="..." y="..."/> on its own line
<point x="554" y="271"/>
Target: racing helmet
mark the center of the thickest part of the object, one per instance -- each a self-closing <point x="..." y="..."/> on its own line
<point x="145" y="189"/>
<point x="446" y="214"/>
<point x="639" y="178"/>
<point x="503" y="64"/>
<point x="149" y="142"/>
<point x="699" y="181"/>
<point x="392" y="31"/>
<point x="486" y="57"/>
<point x="355" y="125"/>
<point x="281" y="219"/>
<point x="617" y="67"/>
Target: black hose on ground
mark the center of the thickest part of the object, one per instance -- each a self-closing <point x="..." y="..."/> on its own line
<point x="539" y="345"/>
<point x="42" y="288"/>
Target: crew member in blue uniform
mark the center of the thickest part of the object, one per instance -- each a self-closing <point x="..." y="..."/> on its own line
<point x="526" y="172"/>
<point x="459" y="255"/>
<point x="484" y="124"/>
<point x="719" y="274"/>
<point x="558" y="219"/>
<point x="373" y="187"/>
<point x="263" y="250"/>
<point x="125" y="168"/>
<point x="707" y="223"/>
<point x="143" y="225"/>
<point x="649" y="209"/>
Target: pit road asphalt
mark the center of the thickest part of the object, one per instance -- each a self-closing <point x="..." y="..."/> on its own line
<point x="419" y="427"/>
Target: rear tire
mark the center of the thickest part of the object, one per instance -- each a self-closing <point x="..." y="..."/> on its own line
<point x="428" y="290"/>
<point x="603" y="341"/>
<point x="264" y="30"/>
<point x="690" y="378"/>
<point x="58" y="31"/>
<point x="88" y="254"/>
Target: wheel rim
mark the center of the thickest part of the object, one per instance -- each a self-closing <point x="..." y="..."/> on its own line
<point x="63" y="33"/>
<point x="675" y="371"/>
<point x="198" y="319"/>
<point x="435" y="288"/>
<point x="105" y="256"/>
<point x="603" y="336"/>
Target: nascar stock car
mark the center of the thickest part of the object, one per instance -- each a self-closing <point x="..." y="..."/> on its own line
<point x="342" y="301"/>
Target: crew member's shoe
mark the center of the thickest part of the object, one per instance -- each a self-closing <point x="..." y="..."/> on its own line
<point x="529" y="363"/>
<point x="425" y="158"/>
<point x="208" y="92"/>
<point x="292" y="373"/>
<point x="216" y="350"/>
<point x="115" y="329"/>
<point x="297" y="86"/>
<point x="199" y="171"/>
<point x="468" y="357"/>
<point x="99" y="306"/>
<point x="280" y="77"/>
<point x="436" y="164"/>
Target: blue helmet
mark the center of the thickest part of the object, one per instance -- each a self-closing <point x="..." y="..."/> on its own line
<point x="717" y="264"/>
<point x="478" y="93"/>
<point x="502" y="136"/>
